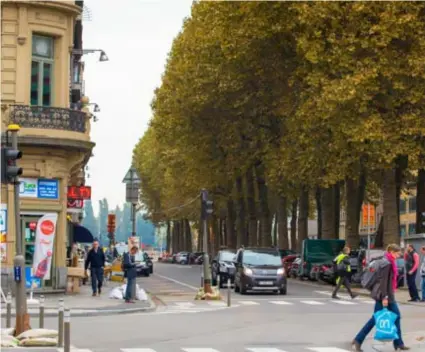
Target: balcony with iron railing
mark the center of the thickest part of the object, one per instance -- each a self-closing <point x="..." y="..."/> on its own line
<point x="49" y="123"/>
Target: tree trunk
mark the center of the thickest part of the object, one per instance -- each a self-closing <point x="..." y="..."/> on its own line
<point x="230" y="222"/>
<point x="168" y="238"/>
<point x="282" y="222"/>
<point x="420" y="202"/>
<point x="294" y="225"/>
<point x="240" y="222"/>
<point x="224" y="232"/>
<point x="252" y="211"/>
<point x="188" y="236"/>
<point x="352" y="188"/>
<point x="217" y="233"/>
<point x="303" y="219"/>
<point x="200" y="237"/>
<point x="174" y="238"/>
<point x="337" y="208"/>
<point x="274" y="225"/>
<point x="329" y="216"/>
<point x="319" y="212"/>
<point x="266" y="231"/>
<point x="391" y="216"/>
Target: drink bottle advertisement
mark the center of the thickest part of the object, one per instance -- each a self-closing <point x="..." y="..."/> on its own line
<point x="45" y="236"/>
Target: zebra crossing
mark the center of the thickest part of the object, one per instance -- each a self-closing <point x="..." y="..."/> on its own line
<point x="200" y="349"/>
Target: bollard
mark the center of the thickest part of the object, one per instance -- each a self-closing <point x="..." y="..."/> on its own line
<point x="41" y="312"/>
<point x="9" y="310"/>
<point x="218" y="281"/>
<point x="60" y="323"/>
<point x="229" y="291"/>
<point x="202" y="279"/>
<point x="67" y="331"/>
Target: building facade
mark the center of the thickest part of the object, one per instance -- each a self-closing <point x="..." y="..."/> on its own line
<point x="42" y="93"/>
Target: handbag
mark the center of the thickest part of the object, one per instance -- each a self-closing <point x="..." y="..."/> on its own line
<point x="385" y="325"/>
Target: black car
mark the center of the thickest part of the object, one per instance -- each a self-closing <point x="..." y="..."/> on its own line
<point x="259" y="269"/>
<point x="223" y="267"/>
<point x="144" y="264"/>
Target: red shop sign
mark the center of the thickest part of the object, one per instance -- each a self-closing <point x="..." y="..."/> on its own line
<point x="75" y="203"/>
<point x="79" y="192"/>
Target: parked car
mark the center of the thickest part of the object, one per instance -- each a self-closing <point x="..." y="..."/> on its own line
<point x="259" y="269"/>
<point x="286" y="252"/>
<point x="327" y="274"/>
<point x="182" y="258"/>
<point x="144" y="264"/>
<point x="199" y="259"/>
<point x="223" y="267"/>
<point x="295" y="268"/>
<point x="288" y="261"/>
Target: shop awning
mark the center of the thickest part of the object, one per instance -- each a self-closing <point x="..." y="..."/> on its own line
<point x="82" y="234"/>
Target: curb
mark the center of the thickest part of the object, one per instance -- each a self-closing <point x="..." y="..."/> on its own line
<point x="85" y="312"/>
<point x="355" y="290"/>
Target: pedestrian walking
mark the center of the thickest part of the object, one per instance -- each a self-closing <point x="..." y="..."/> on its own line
<point x="411" y="258"/>
<point x="423" y="273"/>
<point x="343" y="272"/>
<point x="383" y="287"/>
<point x="131" y="273"/>
<point x="96" y="260"/>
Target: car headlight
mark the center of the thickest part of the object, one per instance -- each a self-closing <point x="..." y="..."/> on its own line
<point x="280" y="271"/>
<point x="247" y="271"/>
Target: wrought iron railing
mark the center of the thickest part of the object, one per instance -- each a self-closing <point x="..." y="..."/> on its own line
<point x="48" y="117"/>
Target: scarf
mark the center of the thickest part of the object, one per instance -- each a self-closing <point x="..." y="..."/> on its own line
<point x="394" y="268"/>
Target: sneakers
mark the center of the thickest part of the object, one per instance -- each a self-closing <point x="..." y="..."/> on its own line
<point x="94" y="294"/>
<point x="129" y="301"/>
<point x="402" y="348"/>
<point x="356" y="347"/>
<point x="99" y="290"/>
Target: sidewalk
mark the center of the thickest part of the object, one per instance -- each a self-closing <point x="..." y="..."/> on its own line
<point x="402" y="296"/>
<point x="414" y="340"/>
<point x="83" y="304"/>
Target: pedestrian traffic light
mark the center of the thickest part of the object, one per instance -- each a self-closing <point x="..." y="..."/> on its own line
<point x="206" y="205"/>
<point x="9" y="169"/>
<point x="111" y="223"/>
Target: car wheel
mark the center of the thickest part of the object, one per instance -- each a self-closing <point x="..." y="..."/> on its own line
<point x="236" y="288"/>
<point x="147" y="274"/>
<point x="283" y="291"/>
<point x="221" y="283"/>
<point x="151" y="270"/>
<point x="243" y="291"/>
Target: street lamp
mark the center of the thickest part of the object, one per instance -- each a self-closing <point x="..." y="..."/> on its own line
<point x="96" y="107"/>
<point x="103" y="57"/>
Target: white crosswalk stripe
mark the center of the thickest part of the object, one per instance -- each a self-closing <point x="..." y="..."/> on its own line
<point x="343" y="302"/>
<point x="347" y="297"/>
<point x="247" y="349"/>
<point x="247" y="303"/>
<point x="313" y="303"/>
<point x="282" y="303"/>
<point x="137" y="350"/>
<point x="264" y="349"/>
<point x="216" y="303"/>
<point x="326" y="349"/>
<point x="199" y="350"/>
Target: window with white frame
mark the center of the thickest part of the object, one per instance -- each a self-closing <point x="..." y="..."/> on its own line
<point x="42" y="70"/>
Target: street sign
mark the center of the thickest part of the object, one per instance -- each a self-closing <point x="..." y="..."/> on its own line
<point x="79" y="192"/>
<point x="131" y="176"/>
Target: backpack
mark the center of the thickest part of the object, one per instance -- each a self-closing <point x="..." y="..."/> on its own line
<point x="371" y="274"/>
<point x="339" y="268"/>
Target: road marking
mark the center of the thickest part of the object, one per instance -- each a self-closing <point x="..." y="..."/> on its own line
<point x="264" y="349"/>
<point x="185" y="304"/>
<point x="216" y="303"/>
<point x="313" y="303"/>
<point x="248" y="303"/>
<point x="368" y="301"/>
<point x="281" y="303"/>
<point x="199" y="350"/>
<point x="326" y="349"/>
<point x="177" y="282"/>
<point x="137" y="350"/>
<point x="343" y="302"/>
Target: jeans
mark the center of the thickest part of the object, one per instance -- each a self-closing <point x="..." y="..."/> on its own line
<point x="423" y="288"/>
<point x="411" y="284"/>
<point x="342" y="280"/>
<point x="129" y="289"/>
<point x="393" y="307"/>
<point x="96" y="278"/>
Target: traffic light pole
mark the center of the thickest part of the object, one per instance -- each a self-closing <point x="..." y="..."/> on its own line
<point x="22" y="316"/>
<point x="207" y="272"/>
<point x="133" y="219"/>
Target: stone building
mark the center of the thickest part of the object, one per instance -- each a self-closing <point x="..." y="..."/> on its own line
<point x="41" y="91"/>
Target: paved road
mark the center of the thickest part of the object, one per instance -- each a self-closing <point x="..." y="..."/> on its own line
<point x="305" y="320"/>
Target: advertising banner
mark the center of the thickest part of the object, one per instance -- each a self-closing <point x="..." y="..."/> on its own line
<point x="44" y="240"/>
<point x="133" y="241"/>
<point x="3" y="232"/>
<point x="40" y="188"/>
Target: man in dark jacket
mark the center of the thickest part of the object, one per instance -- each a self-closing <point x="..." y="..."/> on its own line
<point x="96" y="260"/>
<point x="343" y="272"/>
<point x="131" y="273"/>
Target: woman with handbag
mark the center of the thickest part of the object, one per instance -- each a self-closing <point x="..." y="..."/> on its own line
<point x="383" y="292"/>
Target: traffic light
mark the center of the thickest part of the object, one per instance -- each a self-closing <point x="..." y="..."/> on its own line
<point x="423" y="220"/>
<point x="111" y="223"/>
<point x="9" y="169"/>
<point x="206" y="205"/>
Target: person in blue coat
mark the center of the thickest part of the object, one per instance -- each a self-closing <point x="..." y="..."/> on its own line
<point x="131" y="273"/>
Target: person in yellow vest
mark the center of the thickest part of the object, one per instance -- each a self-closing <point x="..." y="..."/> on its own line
<point x="343" y="272"/>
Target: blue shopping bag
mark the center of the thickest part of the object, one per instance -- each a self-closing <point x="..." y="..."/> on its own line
<point x="385" y="325"/>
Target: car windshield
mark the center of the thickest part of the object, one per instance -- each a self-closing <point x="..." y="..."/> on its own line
<point x="286" y="252"/>
<point x="227" y="256"/>
<point x="262" y="258"/>
<point x="139" y="257"/>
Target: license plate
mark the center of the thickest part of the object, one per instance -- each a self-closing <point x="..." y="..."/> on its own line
<point x="266" y="282"/>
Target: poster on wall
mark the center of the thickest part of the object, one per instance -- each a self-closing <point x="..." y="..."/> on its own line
<point x="3" y="232"/>
<point x="133" y="241"/>
<point x="44" y="240"/>
<point x="40" y="188"/>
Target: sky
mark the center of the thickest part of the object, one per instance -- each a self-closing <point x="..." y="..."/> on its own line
<point x="136" y="35"/>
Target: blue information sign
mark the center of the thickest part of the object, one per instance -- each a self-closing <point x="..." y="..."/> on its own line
<point x="30" y="280"/>
<point x="17" y="273"/>
<point x="47" y="189"/>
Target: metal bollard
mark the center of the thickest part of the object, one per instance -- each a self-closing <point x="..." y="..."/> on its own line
<point x="202" y="279"/>
<point x="67" y="331"/>
<point x="41" y="312"/>
<point x="60" y="323"/>
<point x="9" y="310"/>
<point x="229" y="291"/>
